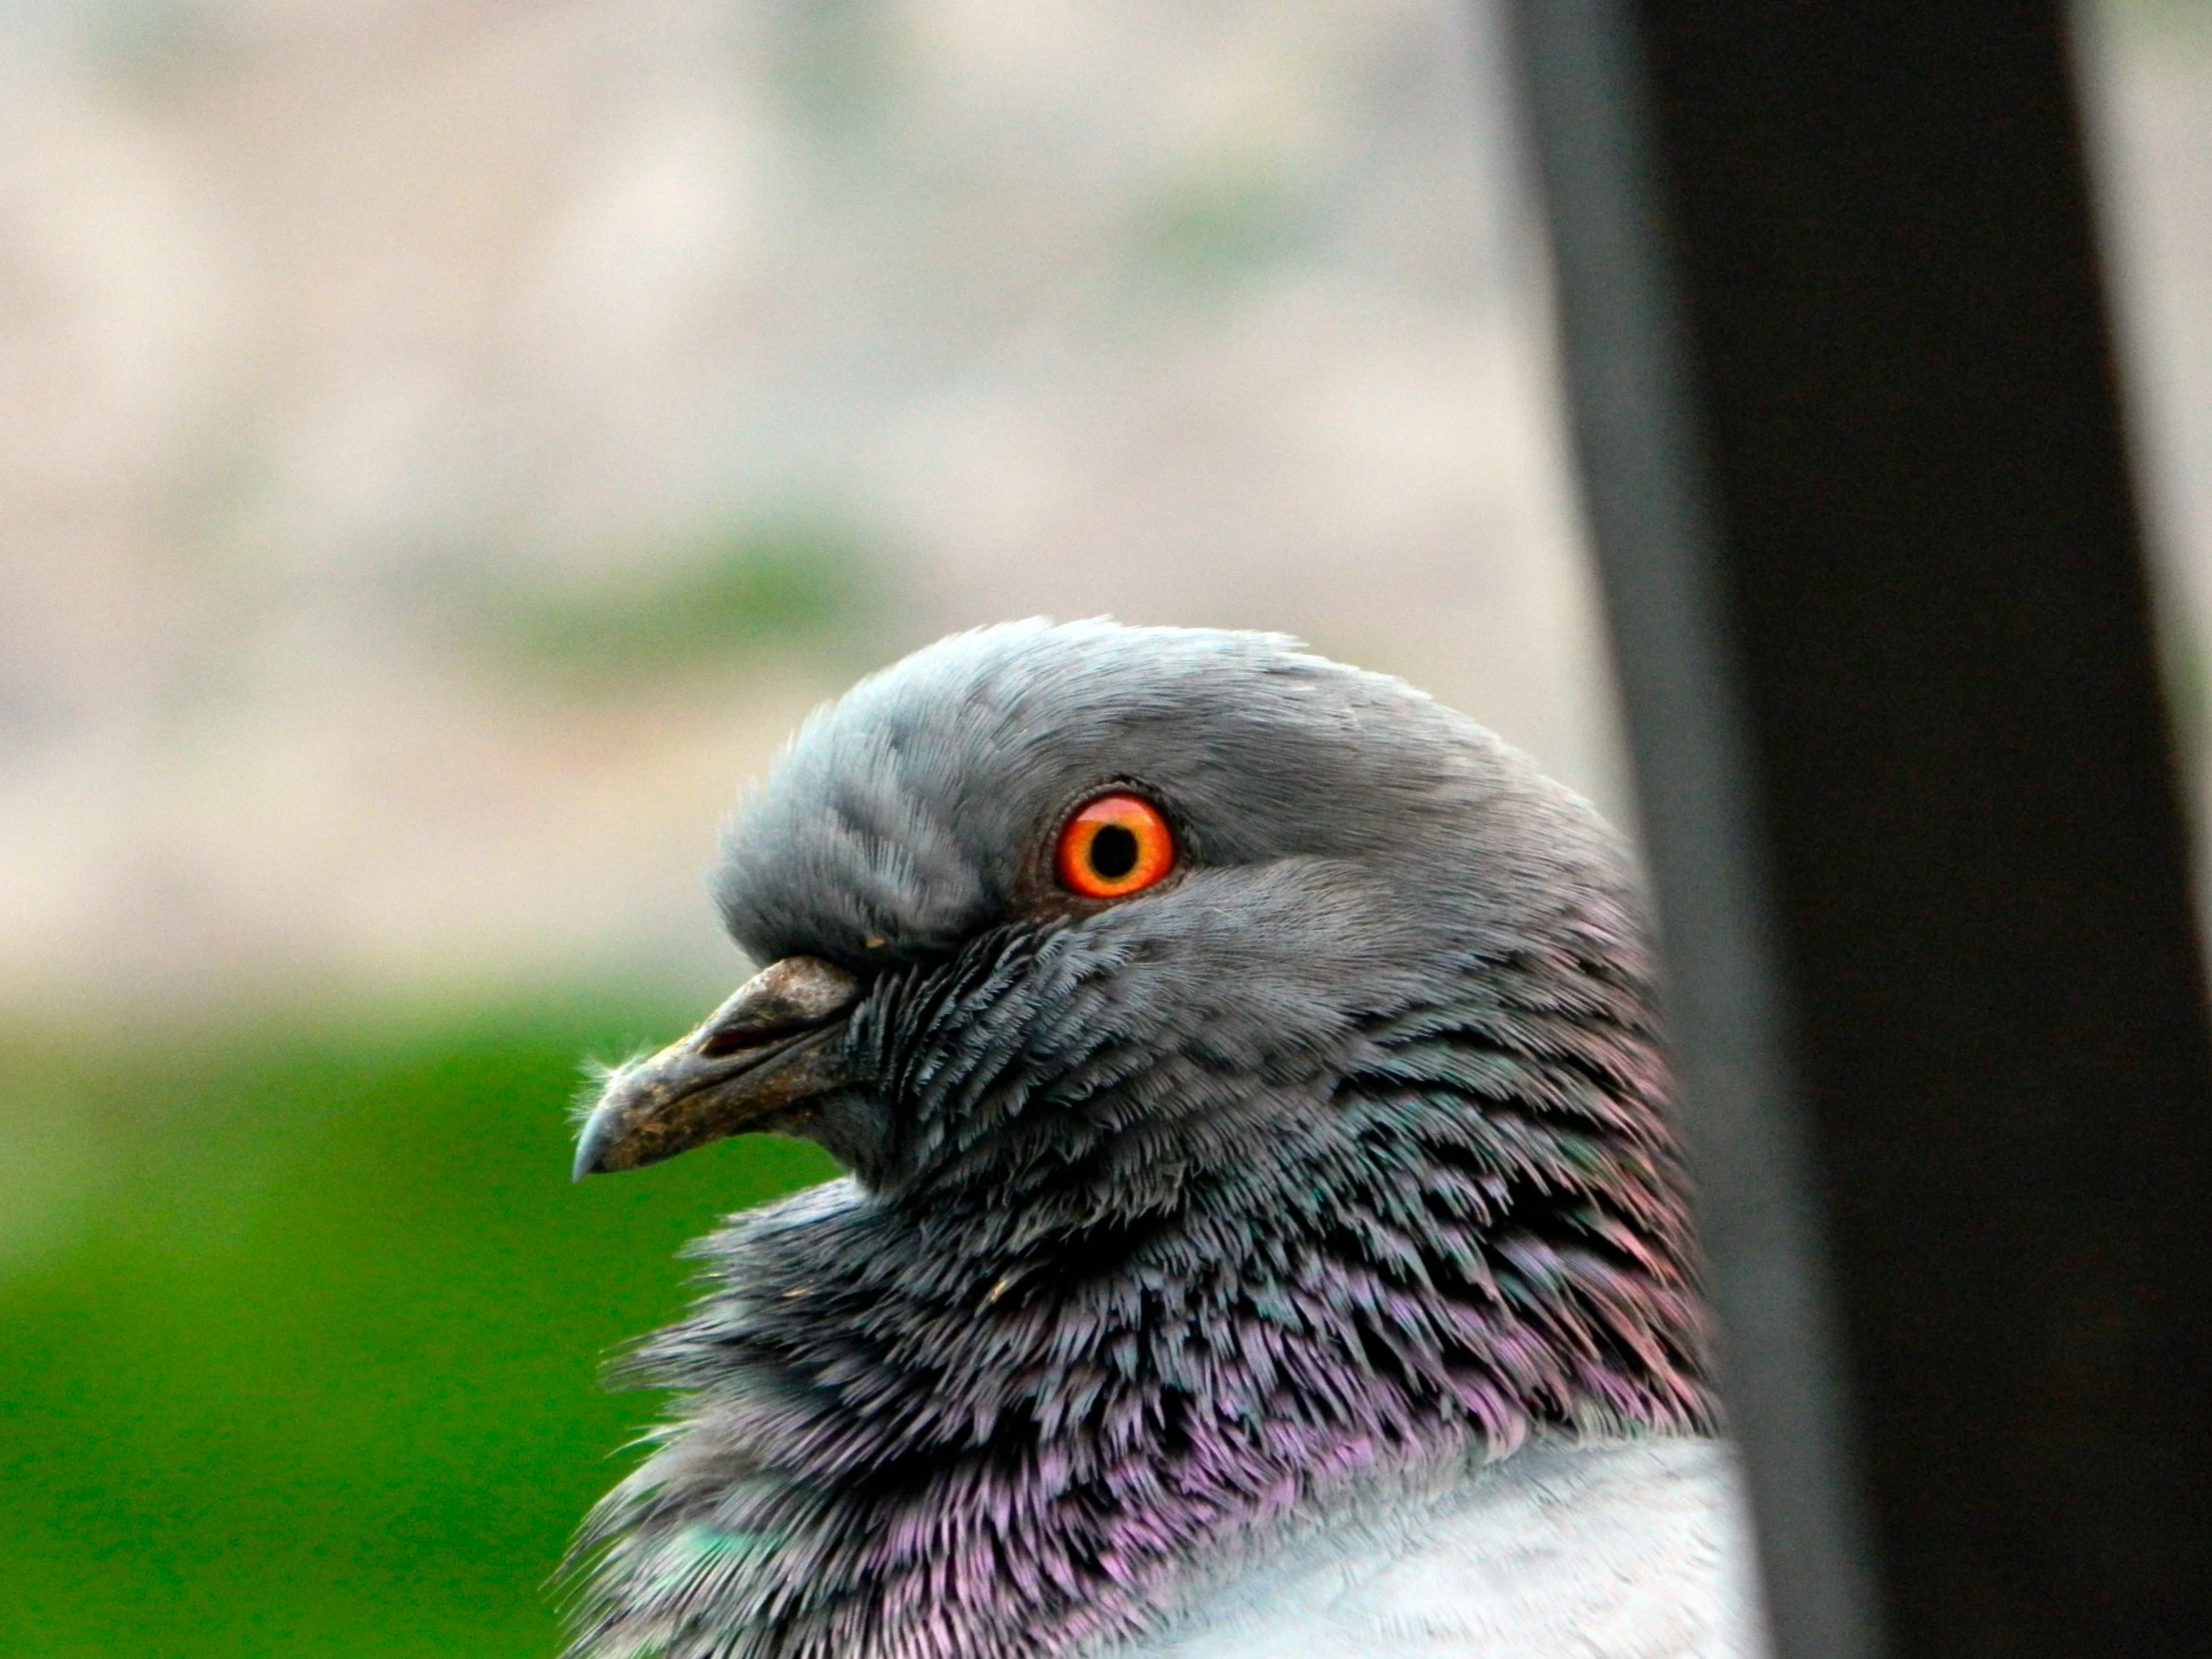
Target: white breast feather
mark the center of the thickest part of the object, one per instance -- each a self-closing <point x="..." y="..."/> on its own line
<point x="1621" y="1551"/>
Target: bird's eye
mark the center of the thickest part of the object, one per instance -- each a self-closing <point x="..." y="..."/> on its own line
<point x="1113" y="846"/>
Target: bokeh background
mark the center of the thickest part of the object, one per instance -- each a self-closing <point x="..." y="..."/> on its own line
<point x="446" y="444"/>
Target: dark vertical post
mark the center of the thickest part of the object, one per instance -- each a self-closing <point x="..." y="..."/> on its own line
<point x="1843" y="392"/>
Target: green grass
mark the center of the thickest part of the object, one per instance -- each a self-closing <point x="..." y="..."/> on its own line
<point x="301" y="1356"/>
<point x="796" y="582"/>
<point x="1216" y="227"/>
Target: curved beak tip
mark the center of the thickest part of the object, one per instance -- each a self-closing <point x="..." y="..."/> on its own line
<point x="600" y="1129"/>
<point x="589" y="1144"/>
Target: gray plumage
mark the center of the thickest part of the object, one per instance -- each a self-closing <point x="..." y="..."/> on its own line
<point x="1308" y="1218"/>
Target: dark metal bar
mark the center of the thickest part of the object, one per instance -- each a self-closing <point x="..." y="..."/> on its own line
<point x="1843" y="394"/>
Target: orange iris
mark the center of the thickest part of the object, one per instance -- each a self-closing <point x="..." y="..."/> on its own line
<point x="1113" y="846"/>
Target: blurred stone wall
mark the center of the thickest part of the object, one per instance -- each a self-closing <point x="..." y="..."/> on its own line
<point x="2150" y="109"/>
<point x="444" y="446"/>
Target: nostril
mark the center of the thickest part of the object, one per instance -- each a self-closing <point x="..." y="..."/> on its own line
<point x="720" y="1044"/>
<point x="784" y="999"/>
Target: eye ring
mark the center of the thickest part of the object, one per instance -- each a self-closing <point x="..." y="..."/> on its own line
<point x="1113" y="846"/>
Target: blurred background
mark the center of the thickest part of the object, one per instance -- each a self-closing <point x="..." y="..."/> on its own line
<point x="444" y="447"/>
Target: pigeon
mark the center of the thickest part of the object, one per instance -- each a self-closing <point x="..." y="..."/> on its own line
<point x="1262" y="1231"/>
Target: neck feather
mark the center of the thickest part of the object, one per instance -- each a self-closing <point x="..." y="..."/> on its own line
<point x="909" y="1432"/>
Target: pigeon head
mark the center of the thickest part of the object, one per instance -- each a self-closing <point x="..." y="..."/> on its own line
<point x="1340" y="850"/>
<point x="1248" y="1075"/>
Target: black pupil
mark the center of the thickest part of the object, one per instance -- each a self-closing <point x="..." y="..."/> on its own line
<point x="1114" y="852"/>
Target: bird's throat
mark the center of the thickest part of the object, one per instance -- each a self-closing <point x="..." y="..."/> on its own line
<point x="895" y="1440"/>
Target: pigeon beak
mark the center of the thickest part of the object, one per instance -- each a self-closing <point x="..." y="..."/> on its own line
<point x="773" y="1044"/>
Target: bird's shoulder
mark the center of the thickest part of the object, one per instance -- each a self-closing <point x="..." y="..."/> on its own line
<point x="1619" y="1550"/>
